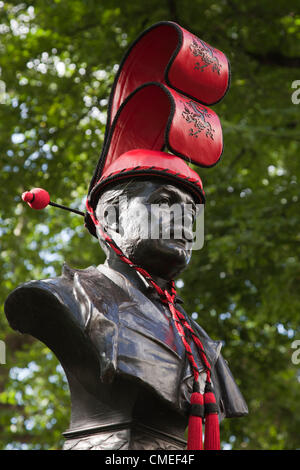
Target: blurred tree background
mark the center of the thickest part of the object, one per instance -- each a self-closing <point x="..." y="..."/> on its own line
<point x="58" y="59"/>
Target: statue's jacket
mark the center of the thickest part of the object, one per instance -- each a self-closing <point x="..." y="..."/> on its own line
<point x="123" y="358"/>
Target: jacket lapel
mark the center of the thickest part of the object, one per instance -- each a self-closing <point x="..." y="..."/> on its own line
<point x="130" y="333"/>
<point x="141" y="314"/>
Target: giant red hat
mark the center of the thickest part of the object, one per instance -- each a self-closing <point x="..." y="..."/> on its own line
<point x="159" y="100"/>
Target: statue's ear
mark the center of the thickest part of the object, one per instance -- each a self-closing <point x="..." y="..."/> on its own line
<point x="111" y="218"/>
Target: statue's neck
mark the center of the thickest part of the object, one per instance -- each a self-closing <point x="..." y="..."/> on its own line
<point x="118" y="265"/>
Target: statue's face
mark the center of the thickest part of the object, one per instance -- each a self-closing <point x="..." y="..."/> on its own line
<point x="154" y="227"/>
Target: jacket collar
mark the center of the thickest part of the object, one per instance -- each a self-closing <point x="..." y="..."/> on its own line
<point x="212" y="348"/>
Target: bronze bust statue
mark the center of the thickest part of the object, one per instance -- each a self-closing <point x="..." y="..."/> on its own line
<point x="133" y="358"/>
<point x="129" y="378"/>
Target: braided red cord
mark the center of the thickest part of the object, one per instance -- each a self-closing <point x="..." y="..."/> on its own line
<point x="178" y="318"/>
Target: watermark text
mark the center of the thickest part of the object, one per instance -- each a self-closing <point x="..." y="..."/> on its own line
<point x="2" y="352"/>
<point x="296" y="94"/>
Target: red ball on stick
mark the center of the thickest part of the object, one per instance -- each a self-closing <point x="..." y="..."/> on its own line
<point x="36" y="198"/>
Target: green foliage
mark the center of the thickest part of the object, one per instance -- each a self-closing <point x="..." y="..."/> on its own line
<point x="58" y="59"/>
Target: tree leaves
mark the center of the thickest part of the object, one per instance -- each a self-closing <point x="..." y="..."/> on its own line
<point x="58" y="60"/>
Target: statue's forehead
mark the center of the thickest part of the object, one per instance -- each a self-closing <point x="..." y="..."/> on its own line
<point x="150" y="187"/>
<point x="145" y="190"/>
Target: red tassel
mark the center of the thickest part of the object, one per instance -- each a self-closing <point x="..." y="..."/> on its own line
<point x="212" y="430"/>
<point x="195" y="421"/>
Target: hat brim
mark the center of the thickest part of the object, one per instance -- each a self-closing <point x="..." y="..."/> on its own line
<point x="192" y="185"/>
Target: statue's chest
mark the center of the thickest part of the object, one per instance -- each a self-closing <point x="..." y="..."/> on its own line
<point x="147" y="320"/>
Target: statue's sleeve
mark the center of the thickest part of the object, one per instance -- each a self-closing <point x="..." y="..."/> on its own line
<point x="48" y="311"/>
<point x="229" y="397"/>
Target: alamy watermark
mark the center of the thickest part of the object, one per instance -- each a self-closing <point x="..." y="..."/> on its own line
<point x="2" y="352"/>
<point x="181" y="222"/>
<point x="296" y="353"/>
<point x="2" y="92"/>
<point x="296" y="94"/>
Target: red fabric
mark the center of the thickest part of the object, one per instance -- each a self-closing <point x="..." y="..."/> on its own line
<point x="145" y="158"/>
<point x="155" y="102"/>
<point x="200" y="70"/>
<point x="212" y="432"/>
<point x="145" y="62"/>
<point x="155" y="116"/>
<point x="37" y="198"/>
<point x="167" y="53"/>
<point x="195" y="132"/>
<point x="209" y="397"/>
<point x="27" y="196"/>
<point x="195" y="426"/>
<point x="212" y="429"/>
<point x="143" y="162"/>
<point x="140" y="124"/>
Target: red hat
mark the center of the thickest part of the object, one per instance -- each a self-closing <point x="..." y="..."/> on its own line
<point x="159" y="100"/>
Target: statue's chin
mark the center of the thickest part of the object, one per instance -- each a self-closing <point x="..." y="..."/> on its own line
<point x="162" y="258"/>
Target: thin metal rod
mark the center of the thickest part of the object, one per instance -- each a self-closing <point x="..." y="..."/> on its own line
<point x="67" y="208"/>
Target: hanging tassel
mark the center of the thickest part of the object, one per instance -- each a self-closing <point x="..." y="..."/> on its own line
<point x="212" y="430"/>
<point x="195" y="420"/>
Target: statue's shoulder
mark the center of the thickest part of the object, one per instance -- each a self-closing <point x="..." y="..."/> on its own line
<point x="49" y="310"/>
<point x="63" y="297"/>
<point x="42" y="300"/>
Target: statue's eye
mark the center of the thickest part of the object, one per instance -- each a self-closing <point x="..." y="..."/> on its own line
<point x="164" y="200"/>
